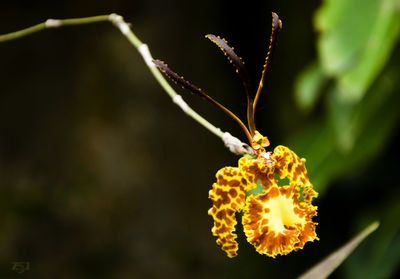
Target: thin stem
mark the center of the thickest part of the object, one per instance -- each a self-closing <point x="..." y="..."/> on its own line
<point x="23" y="32"/>
<point x="52" y="23"/>
<point x="250" y="118"/>
<point x="125" y="29"/>
<point x="84" y="20"/>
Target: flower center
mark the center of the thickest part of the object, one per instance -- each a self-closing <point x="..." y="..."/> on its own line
<point x="281" y="213"/>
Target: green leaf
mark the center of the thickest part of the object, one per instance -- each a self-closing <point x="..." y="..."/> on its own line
<point x="308" y="86"/>
<point x="371" y="123"/>
<point x="324" y="268"/>
<point x="353" y="123"/>
<point x="356" y="40"/>
<point x="343" y="116"/>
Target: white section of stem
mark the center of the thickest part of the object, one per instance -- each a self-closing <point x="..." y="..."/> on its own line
<point x="235" y="145"/>
<point x="181" y="103"/>
<point x="145" y="52"/>
<point x="53" y="23"/>
<point x="119" y="22"/>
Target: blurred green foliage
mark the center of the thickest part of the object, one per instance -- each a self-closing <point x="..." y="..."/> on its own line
<point x="355" y="42"/>
<point x="356" y="76"/>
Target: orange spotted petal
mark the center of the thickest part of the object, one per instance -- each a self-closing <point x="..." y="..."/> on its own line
<point x="276" y="223"/>
<point x="228" y="196"/>
<point x="259" y="141"/>
<point x="288" y="164"/>
<point x="255" y="170"/>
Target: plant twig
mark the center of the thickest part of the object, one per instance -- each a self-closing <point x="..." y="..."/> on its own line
<point x="233" y="143"/>
<point x="52" y="23"/>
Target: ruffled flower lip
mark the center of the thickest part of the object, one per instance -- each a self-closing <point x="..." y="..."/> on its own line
<point x="275" y="221"/>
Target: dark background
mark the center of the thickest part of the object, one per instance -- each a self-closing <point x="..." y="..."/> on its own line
<point x="102" y="176"/>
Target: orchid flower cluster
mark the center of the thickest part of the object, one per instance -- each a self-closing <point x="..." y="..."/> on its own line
<point x="276" y="219"/>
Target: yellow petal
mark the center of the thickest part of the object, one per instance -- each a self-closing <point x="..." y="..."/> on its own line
<point x="276" y="223"/>
<point x="288" y="164"/>
<point x="259" y="141"/>
<point x="255" y="170"/>
<point x="228" y="196"/>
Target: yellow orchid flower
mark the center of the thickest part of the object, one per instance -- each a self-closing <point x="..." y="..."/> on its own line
<point x="277" y="219"/>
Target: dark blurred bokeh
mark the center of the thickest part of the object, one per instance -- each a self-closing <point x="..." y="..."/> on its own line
<point x="102" y="176"/>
